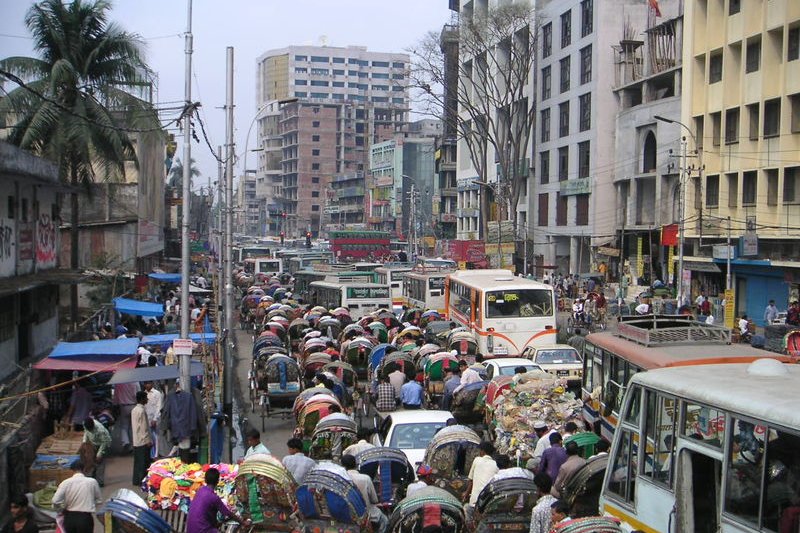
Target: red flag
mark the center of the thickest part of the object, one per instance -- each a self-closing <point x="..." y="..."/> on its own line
<point x="669" y="235"/>
<point x="654" y="7"/>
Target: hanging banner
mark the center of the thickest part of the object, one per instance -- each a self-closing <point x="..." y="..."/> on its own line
<point x="669" y="235"/>
<point x="730" y="300"/>
<point x="639" y="258"/>
<point x="671" y="263"/>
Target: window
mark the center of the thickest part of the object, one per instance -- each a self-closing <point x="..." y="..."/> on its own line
<point x="712" y="191"/>
<point x="621" y="484"/>
<point x="733" y="189"/>
<point x="565" y="74"/>
<point x="546" y="79"/>
<point x="753" y="59"/>
<point x="772" y="117"/>
<point x="338" y="84"/>
<point x="563" y="119"/>
<point x="319" y="72"/>
<point x="584" y="158"/>
<point x="545" y="125"/>
<point x="715" y="68"/>
<point x="315" y="207"/>
<point x="300" y="94"/>
<point x="794" y="118"/>
<point x="791" y="182"/>
<point x="563" y="163"/>
<point x="320" y="59"/>
<point x="353" y="61"/>
<point x="732" y="126"/>
<point x="315" y="179"/>
<point x="301" y="82"/>
<point x="544" y="167"/>
<point x="749" y="187"/>
<point x="547" y="39"/>
<point x="300" y="70"/>
<point x="398" y="101"/>
<point x="365" y="75"/>
<point x="793" y="51"/>
<point x="566" y="29"/>
<point x="379" y="76"/>
<point x="352" y="73"/>
<point x="699" y="130"/>
<point x="11" y="207"/>
<point x="337" y="96"/>
<point x="752" y="114"/>
<point x="561" y="210"/>
<point x="772" y="186"/>
<point x="338" y="60"/>
<point x="397" y="76"/>
<point x="315" y="151"/>
<point x="338" y="72"/>
<point x="301" y="58"/>
<point x="586" y="64"/>
<point x="320" y="96"/>
<point x="660" y="431"/>
<point x="319" y="83"/>
<point x="315" y="138"/>
<point x="314" y="194"/>
<point x="716" y="127"/>
<point x="587" y="17"/>
<point x="582" y="210"/>
<point x="314" y="166"/>
<point x="380" y="99"/>
<point x="398" y="64"/>
<point x="585" y="112"/>
<point x="544" y="204"/>
<point x="352" y="85"/>
<point x="380" y="87"/>
<point x="315" y="124"/>
<point x="734" y="6"/>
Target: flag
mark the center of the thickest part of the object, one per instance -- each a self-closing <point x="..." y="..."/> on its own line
<point x="654" y="7"/>
<point x="669" y="235"/>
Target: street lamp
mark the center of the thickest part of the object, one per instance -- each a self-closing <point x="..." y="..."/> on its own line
<point x="681" y="196"/>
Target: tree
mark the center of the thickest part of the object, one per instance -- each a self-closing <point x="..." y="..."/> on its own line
<point x="494" y="94"/>
<point x="176" y="173"/>
<point x="77" y="101"/>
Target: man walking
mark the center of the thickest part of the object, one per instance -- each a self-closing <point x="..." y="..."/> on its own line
<point x="98" y="436"/>
<point x="255" y="446"/>
<point x="77" y="498"/>
<point x="482" y="469"/>
<point x="573" y="463"/>
<point x="541" y="514"/>
<point x="141" y="439"/>
<point x="770" y="313"/>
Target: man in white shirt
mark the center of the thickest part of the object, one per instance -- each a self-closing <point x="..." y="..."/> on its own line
<point x="78" y="497"/>
<point x="144" y="355"/>
<point x="364" y="485"/>
<point x="397" y="379"/>
<point x="254" y="444"/>
<point x="361" y="445"/>
<point x="743" y="325"/>
<point x="423" y="474"/>
<point x="483" y="469"/>
<point x="468" y="375"/>
<point x="296" y="462"/>
<point x="142" y="439"/>
<point x="155" y="401"/>
<point x="543" y="433"/>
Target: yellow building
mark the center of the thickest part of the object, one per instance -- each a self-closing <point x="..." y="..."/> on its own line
<point x="741" y="101"/>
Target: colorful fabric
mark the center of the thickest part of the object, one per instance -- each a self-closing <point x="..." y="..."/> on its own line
<point x="172" y="484"/>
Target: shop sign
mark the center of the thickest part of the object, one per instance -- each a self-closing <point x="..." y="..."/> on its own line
<point x="608" y="251"/>
<point x="718" y="252"/>
<point x="182" y="346"/>
<point x="730" y="297"/>
<point x="576" y="186"/>
<point x="749" y="245"/>
<point x="699" y="266"/>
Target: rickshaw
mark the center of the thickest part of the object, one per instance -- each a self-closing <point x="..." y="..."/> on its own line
<point x="466" y="407"/>
<point x="331" y="436"/>
<point x="582" y="489"/>
<point x="388" y="319"/>
<point x="313" y="363"/>
<point x="398" y="361"/>
<point x="435" y="369"/>
<point x="450" y="454"/>
<point x="437" y="332"/>
<point x="423" y="351"/>
<point x="267" y="338"/>
<point x="278" y="378"/>
<point x="306" y="395"/>
<point x="328" y="500"/>
<point x="315" y="409"/>
<point x="351" y="332"/>
<point x="296" y="329"/>
<point x="431" y="315"/>
<point x="505" y="503"/>
<point x="356" y="352"/>
<point x="465" y="343"/>
<point x="412" y="316"/>
<point x="411" y="332"/>
<point x="429" y="507"/>
<point x="378" y="353"/>
<point x="391" y="472"/>
<point x="379" y="331"/>
<point x="589" y="524"/>
<point x="345" y="372"/>
<point x="265" y="491"/>
<point x="343" y="315"/>
<point x="329" y="326"/>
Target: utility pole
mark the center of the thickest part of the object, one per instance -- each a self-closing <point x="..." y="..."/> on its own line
<point x="227" y="385"/>
<point x="220" y="238"/>
<point x="185" y="360"/>
<point x="728" y="258"/>
<point x="682" y="219"/>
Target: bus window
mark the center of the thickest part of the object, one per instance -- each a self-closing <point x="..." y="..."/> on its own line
<point x="781" y="493"/>
<point x="745" y="471"/>
<point x="524" y="303"/>
<point x="622" y="480"/>
<point x="632" y="412"/>
<point x="703" y="424"/>
<point x="660" y="438"/>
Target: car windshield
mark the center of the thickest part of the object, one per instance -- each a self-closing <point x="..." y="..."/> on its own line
<point x="414" y="436"/>
<point x="509" y="370"/>
<point x="557" y="357"/>
<point x="516" y="303"/>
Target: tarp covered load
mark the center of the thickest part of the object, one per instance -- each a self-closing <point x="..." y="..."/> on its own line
<point x="164" y="340"/>
<point x="138" y="307"/>
<point x="165" y="277"/>
<point x="533" y="396"/>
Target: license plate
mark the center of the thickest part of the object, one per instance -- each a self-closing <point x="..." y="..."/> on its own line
<point x="561" y="373"/>
<point x="501" y="350"/>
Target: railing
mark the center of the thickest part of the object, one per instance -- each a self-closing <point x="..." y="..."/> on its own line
<point x="651" y="330"/>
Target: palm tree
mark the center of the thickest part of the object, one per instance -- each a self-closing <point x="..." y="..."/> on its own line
<point x="76" y="99"/>
<point x="176" y="173"/>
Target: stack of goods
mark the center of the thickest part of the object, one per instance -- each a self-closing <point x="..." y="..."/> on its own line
<point x="54" y="456"/>
<point x="171" y="484"/>
<point x="534" y="396"/>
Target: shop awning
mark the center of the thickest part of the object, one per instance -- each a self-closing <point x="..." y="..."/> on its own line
<point x="137" y="307"/>
<point x="165" y="340"/>
<point x="193" y="289"/>
<point x="165" y="277"/>
<point x="87" y="363"/>
<point x="118" y="348"/>
<point x="154" y="373"/>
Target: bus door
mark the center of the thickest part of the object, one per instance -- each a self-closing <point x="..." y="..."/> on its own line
<point x="697" y="491"/>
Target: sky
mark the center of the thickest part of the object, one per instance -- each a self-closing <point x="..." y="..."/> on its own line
<point x="251" y="27"/>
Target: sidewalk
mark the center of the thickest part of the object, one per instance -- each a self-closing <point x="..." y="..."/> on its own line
<point x="118" y="476"/>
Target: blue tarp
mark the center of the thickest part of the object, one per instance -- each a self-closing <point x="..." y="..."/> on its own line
<point x="165" y="339"/>
<point x="137" y="307"/>
<point x="166" y="278"/>
<point x="116" y="347"/>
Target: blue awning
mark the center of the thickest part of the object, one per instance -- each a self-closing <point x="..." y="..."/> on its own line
<point x="165" y="340"/>
<point x="165" y="277"/>
<point x="137" y="307"/>
<point x="115" y="347"/>
<point x="154" y="373"/>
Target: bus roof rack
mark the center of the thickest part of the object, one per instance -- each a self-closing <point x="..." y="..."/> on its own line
<point x="653" y="330"/>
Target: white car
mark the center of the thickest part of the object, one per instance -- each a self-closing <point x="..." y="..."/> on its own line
<point x="410" y="431"/>
<point x="506" y="366"/>
<point x="561" y="360"/>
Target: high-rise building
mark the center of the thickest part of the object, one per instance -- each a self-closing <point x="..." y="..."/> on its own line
<point x="336" y="102"/>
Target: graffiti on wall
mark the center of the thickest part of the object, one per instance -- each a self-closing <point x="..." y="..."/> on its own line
<point x="46" y="241"/>
<point x="6" y="241"/>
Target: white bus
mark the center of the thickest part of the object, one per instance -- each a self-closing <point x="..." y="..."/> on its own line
<point x="722" y="450"/>
<point x="360" y="298"/>
<point x="263" y="265"/>
<point x="306" y="261"/>
<point x="507" y="313"/>
<point x="424" y="289"/>
<point x="391" y="274"/>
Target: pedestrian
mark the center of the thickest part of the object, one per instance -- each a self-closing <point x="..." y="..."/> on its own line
<point x="543" y="433"/>
<point x="541" y="514"/>
<point x="704" y="308"/>
<point x="77" y="498"/>
<point x="21" y="518"/>
<point x="559" y="513"/>
<point x="570" y="428"/>
<point x="296" y="462"/>
<point x="553" y="457"/>
<point x="424" y="476"/>
<point x="142" y="441"/>
<point x="205" y="505"/>
<point x="124" y="398"/>
<point x="397" y="378"/>
<point x="169" y="325"/>
<point x="155" y="402"/>
<point x="770" y="313"/>
<point x="98" y="436"/>
<point x="254" y="444"/>
<point x="468" y="375"/>
<point x="386" y="396"/>
<point x="793" y="314"/>
<point x="80" y="404"/>
<point x="411" y="395"/>
<point x="367" y="489"/>
<point x="573" y="463"/>
<point x="451" y="382"/>
<point x="482" y="470"/>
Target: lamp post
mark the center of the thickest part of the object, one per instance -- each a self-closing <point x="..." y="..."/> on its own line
<point x="682" y="199"/>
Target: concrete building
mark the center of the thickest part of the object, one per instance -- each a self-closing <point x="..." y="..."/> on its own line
<point x="741" y="101"/>
<point x="338" y="102"/>
<point x="446" y="160"/>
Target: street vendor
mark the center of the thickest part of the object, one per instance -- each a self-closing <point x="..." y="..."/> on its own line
<point x="206" y="504"/>
<point x="98" y="436"/>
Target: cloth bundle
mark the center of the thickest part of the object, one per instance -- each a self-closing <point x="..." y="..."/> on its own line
<point x="172" y="484"/>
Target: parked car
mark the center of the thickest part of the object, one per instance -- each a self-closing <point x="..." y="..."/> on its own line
<point x="410" y="431"/>
<point x="506" y="366"/>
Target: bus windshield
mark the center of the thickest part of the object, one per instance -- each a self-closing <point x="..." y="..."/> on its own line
<point x="519" y="303"/>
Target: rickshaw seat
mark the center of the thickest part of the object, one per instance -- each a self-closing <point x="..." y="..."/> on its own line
<point x="385" y="474"/>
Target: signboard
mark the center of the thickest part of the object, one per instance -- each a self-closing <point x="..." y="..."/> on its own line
<point x="576" y="186"/>
<point x="639" y="257"/>
<point x="671" y="263"/>
<point x="608" y="251"/>
<point x="367" y="292"/>
<point x="748" y="245"/>
<point x="730" y="300"/>
<point x="718" y="252"/>
<point x="182" y="346"/>
<point x="436" y="283"/>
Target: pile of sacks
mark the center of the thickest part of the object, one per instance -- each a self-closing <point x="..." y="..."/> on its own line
<point x="533" y="397"/>
<point x="172" y="484"/>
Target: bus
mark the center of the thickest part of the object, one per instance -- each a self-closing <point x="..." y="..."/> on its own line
<point x="360" y="298"/>
<point x="309" y="260"/>
<point x="304" y="278"/>
<point x="255" y="250"/>
<point x="722" y="450"/>
<point x="263" y="265"/>
<point x="424" y="288"/>
<point x="359" y="245"/>
<point x="643" y="344"/>
<point x="507" y="313"/>
<point x="392" y="274"/>
<point x="437" y="263"/>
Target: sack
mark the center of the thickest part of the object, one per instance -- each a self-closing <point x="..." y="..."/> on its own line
<point x="43" y="498"/>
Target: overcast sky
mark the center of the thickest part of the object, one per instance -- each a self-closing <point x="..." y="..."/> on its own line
<point x="251" y="27"/>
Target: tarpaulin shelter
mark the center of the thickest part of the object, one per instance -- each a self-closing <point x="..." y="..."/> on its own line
<point x="92" y="355"/>
<point x="138" y="307"/>
<point x="164" y="340"/>
<point x="154" y="373"/>
<point x="193" y="289"/>
<point x="165" y="277"/>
